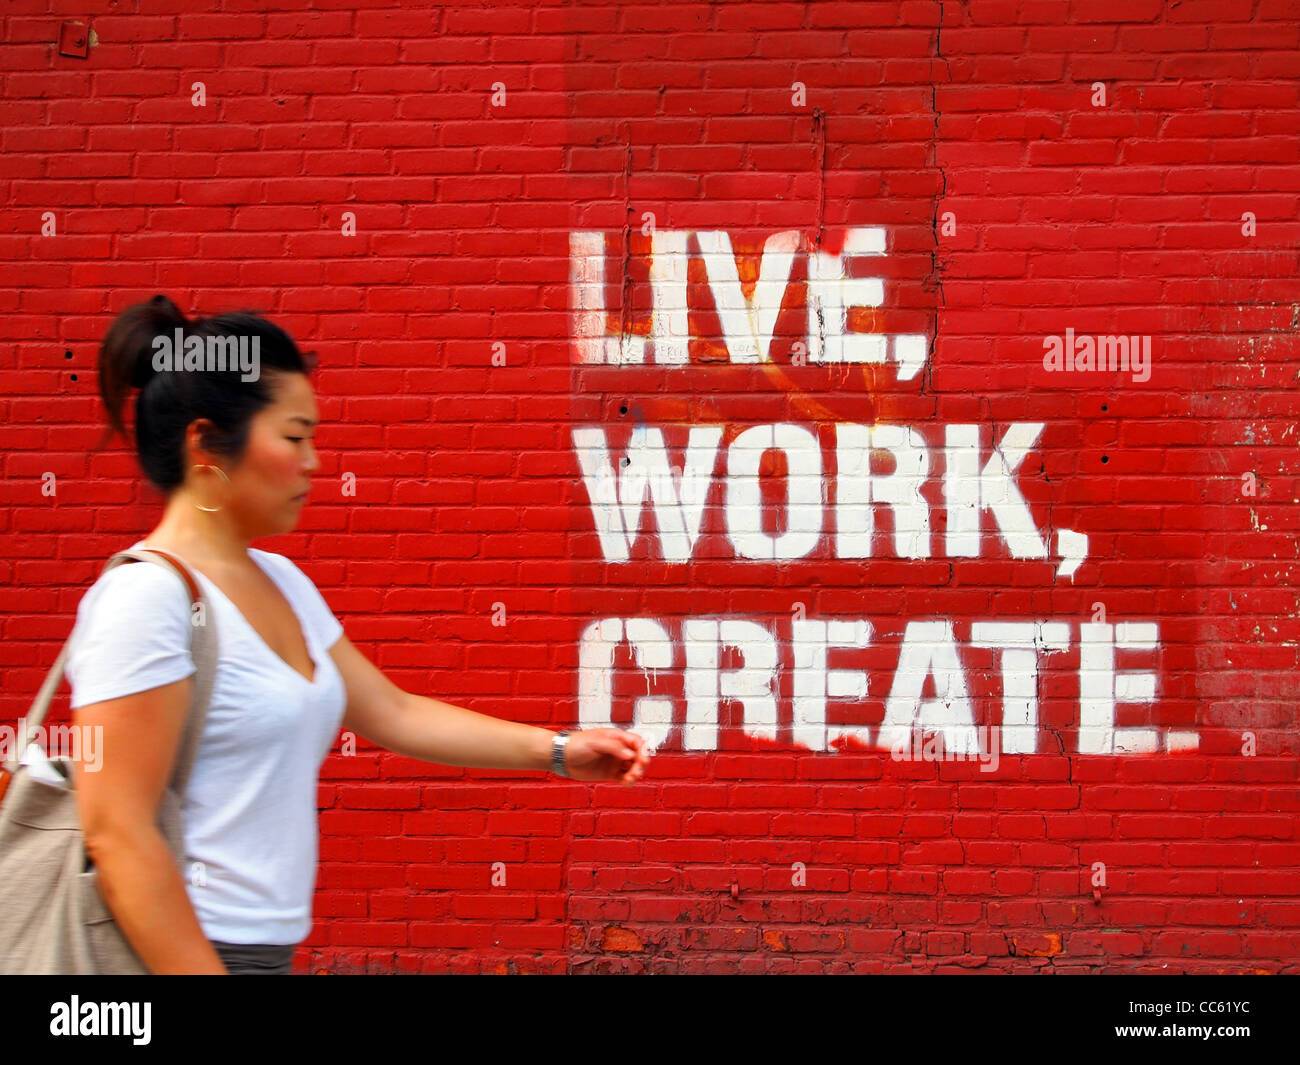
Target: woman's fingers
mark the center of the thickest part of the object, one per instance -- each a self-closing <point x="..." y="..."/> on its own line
<point x="627" y="747"/>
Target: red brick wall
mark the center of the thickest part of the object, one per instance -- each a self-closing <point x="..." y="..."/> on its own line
<point x="1110" y="169"/>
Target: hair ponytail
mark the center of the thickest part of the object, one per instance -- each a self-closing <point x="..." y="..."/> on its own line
<point x="126" y="354"/>
<point x="168" y="402"/>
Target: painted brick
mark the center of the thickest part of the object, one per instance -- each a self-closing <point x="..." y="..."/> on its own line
<point x="1014" y="205"/>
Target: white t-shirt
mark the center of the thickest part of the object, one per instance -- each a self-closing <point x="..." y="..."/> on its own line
<point x="250" y="804"/>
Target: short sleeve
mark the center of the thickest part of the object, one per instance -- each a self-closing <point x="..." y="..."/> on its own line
<point x="132" y="633"/>
<point x="309" y="601"/>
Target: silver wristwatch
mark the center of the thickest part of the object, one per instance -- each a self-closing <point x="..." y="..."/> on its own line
<point x="557" y="753"/>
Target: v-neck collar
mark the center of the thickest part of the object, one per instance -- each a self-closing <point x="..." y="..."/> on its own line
<point x="306" y="635"/>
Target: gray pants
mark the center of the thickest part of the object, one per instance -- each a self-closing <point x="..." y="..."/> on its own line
<point x="258" y="959"/>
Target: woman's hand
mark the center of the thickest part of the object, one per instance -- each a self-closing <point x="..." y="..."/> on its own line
<point x="606" y="754"/>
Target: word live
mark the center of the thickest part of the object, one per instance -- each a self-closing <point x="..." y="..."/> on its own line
<point x="747" y="322"/>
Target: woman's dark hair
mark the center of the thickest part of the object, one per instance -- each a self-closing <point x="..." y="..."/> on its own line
<point x="169" y="401"/>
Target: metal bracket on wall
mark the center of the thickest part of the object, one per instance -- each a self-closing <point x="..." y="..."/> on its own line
<point x="74" y="39"/>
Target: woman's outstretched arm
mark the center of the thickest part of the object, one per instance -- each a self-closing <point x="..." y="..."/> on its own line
<point x="435" y="731"/>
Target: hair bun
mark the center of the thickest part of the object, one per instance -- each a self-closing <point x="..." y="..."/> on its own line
<point x="143" y="372"/>
<point x="163" y="318"/>
<point x="167" y="314"/>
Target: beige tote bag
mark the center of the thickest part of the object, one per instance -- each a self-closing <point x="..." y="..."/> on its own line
<point x="53" y="918"/>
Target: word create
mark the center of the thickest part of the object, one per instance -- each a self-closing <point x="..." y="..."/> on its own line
<point x="690" y="652"/>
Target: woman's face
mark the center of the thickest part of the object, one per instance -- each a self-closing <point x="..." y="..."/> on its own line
<point x="266" y="490"/>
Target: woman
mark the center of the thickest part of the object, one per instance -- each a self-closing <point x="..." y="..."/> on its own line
<point x="232" y="451"/>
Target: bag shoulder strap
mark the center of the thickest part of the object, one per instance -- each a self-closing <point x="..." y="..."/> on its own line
<point x="204" y="649"/>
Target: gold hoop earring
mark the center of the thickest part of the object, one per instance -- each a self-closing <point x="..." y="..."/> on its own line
<point x="205" y="466"/>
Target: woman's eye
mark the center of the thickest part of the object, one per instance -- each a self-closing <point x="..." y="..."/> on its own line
<point x="295" y="439"/>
